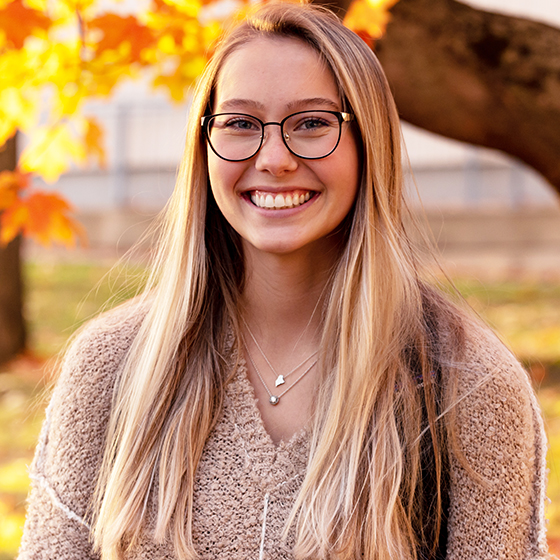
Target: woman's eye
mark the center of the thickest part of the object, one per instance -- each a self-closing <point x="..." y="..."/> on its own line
<point x="313" y="123"/>
<point x="241" y="124"/>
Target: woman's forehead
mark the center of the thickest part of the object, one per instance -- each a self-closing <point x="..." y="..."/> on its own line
<point x="275" y="70"/>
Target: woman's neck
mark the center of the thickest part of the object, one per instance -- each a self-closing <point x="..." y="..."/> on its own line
<point x="283" y="294"/>
<point x="281" y="323"/>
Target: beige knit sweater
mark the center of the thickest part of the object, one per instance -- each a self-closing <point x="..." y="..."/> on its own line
<point x="246" y="484"/>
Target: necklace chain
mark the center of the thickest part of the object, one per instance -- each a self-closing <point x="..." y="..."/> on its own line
<point x="280" y="379"/>
<point x="275" y="399"/>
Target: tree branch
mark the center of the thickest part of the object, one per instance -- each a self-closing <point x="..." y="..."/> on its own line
<point x="476" y="76"/>
<point x="479" y="77"/>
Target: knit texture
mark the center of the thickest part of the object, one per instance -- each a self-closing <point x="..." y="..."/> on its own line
<point x="246" y="485"/>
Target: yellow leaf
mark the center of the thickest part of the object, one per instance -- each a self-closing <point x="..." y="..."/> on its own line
<point x="51" y="151"/>
<point x="369" y="18"/>
<point x="19" y="99"/>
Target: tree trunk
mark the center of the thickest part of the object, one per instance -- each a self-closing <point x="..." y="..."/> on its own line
<point x="12" y="326"/>
<point x="475" y="76"/>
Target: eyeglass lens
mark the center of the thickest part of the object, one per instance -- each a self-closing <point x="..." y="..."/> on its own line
<point x="309" y="134"/>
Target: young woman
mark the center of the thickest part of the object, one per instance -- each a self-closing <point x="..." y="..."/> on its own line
<point x="289" y="387"/>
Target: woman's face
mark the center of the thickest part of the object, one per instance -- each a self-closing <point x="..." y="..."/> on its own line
<point x="271" y="78"/>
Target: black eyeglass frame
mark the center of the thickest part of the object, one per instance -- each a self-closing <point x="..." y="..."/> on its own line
<point x="340" y="115"/>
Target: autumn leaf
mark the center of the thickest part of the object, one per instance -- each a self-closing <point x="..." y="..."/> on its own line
<point x="11" y="183"/>
<point x="19" y="97"/>
<point x="94" y="142"/>
<point x="369" y="18"/>
<point x="44" y="217"/>
<point x="18" y="22"/>
<point x="51" y="151"/>
<point x="124" y="35"/>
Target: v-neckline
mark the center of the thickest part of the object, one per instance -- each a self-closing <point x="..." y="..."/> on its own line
<point x="296" y="438"/>
<point x="286" y="459"/>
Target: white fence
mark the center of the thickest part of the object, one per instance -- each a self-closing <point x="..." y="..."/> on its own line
<point x="144" y="143"/>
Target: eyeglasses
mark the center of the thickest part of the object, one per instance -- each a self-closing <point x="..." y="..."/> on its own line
<point x="307" y="134"/>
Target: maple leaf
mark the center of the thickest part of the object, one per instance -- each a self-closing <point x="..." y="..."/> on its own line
<point x="121" y="32"/>
<point x="11" y="183"/>
<point x="19" y="22"/>
<point x="44" y="217"/>
<point x="51" y="151"/>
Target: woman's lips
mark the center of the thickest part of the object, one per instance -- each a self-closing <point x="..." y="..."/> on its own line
<point x="278" y="201"/>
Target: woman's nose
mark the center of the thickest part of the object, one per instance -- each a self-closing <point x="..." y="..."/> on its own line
<point x="274" y="156"/>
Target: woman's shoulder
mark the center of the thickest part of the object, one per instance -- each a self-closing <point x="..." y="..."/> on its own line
<point x="71" y="444"/>
<point x="82" y="396"/>
<point x="498" y="474"/>
<point x="487" y="363"/>
<point x="105" y="340"/>
<point x="115" y="327"/>
<point x="498" y="421"/>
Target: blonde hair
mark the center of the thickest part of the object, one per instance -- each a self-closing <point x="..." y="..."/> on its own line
<point x="380" y="346"/>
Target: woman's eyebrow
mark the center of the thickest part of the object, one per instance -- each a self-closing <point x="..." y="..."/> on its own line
<point x="241" y="104"/>
<point x="248" y="104"/>
<point x="313" y="101"/>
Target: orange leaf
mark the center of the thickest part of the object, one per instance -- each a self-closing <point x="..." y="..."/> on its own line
<point x="118" y="31"/>
<point x="11" y="182"/>
<point x="43" y="217"/>
<point x="18" y="22"/>
<point x="94" y="142"/>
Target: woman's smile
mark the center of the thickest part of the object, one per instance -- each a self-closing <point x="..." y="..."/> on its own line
<point x="280" y="201"/>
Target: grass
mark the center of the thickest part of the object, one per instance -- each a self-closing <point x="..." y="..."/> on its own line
<point x="61" y="296"/>
<point x="526" y="314"/>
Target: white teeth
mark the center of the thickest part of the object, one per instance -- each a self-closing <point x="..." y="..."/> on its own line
<point x="279" y="201"/>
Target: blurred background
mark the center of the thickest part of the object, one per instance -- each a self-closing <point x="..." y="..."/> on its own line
<point x="492" y="204"/>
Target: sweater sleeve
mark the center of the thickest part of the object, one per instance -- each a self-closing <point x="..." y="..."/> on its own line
<point x="498" y="472"/>
<point x="70" y="447"/>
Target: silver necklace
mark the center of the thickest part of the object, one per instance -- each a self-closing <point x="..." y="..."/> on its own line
<point x="275" y="399"/>
<point x="280" y="379"/>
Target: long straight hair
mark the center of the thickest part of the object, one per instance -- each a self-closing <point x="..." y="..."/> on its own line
<point x="388" y="344"/>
